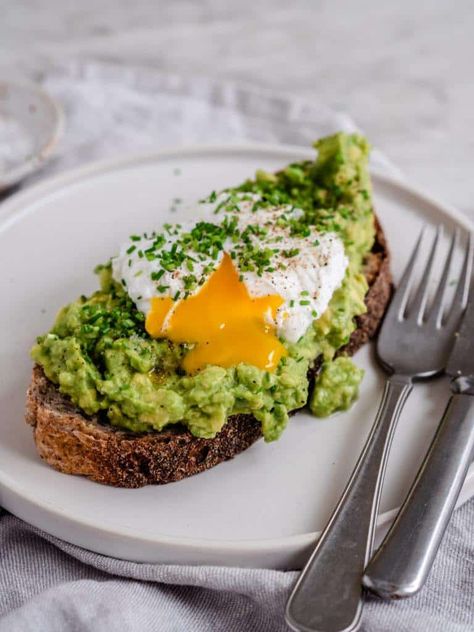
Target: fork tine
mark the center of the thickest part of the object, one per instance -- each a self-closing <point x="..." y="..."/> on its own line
<point x="436" y="308"/>
<point x="400" y="297"/>
<point x="416" y="308"/>
<point x="465" y="280"/>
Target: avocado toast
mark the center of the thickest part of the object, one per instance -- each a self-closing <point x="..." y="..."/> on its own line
<point x="128" y="394"/>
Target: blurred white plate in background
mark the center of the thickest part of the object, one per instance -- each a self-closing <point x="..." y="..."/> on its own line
<point x="30" y="126"/>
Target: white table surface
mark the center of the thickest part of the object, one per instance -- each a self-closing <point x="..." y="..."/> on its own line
<point x="404" y="70"/>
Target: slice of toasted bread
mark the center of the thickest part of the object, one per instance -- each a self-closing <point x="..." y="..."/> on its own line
<point x="74" y="443"/>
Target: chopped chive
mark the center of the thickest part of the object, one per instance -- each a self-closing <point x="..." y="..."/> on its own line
<point x="292" y="252"/>
<point x="189" y="281"/>
<point x="156" y="276"/>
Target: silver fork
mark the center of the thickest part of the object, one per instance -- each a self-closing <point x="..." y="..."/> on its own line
<point x="414" y="343"/>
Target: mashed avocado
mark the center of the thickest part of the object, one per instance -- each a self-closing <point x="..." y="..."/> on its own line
<point x="100" y="355"/>
<point x="336" y="386"/>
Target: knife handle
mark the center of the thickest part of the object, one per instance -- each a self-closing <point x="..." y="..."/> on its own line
<point x="402" y="563"/>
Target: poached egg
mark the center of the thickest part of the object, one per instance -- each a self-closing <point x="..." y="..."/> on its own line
<point x="233" y="285"/>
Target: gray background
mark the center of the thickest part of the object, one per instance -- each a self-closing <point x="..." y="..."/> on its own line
<point x="403" y="70"/>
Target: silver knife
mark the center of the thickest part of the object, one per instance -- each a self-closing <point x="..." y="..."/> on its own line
<point x="402" y="564"/>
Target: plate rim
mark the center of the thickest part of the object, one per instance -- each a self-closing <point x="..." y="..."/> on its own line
<point x="11" y="212"/>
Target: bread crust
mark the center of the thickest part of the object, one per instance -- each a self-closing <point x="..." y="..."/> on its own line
<point x="74" y="443"/>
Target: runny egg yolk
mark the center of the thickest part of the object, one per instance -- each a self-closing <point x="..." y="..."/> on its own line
<point x="226" y="324"/>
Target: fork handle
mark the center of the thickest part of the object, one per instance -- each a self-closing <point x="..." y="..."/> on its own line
<point x="328" y="594"/>
<point x="404" y="560"/>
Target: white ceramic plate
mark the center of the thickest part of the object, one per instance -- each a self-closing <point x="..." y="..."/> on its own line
<point x="265" y="507"/>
